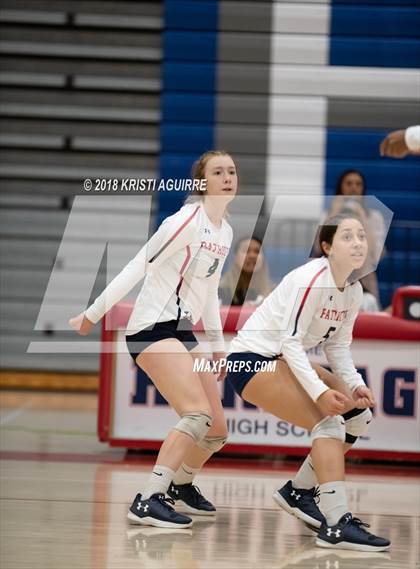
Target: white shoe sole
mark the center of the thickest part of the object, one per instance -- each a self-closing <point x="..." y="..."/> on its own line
<point x="349" y="545"/>
<point x="156" y="523"/>
<point x="295" y="511"/>
<point x="182" y="507"/>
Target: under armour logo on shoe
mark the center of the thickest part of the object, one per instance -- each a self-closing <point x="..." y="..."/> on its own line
<point x="174" y="490"/>
<point x="297" y="496"/>
<point x="140" y="506"/>
<point x="330" y="532"/>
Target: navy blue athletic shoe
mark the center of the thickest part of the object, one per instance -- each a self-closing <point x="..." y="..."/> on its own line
<point x="300" y="503"/>
<point x="190" y="500"/>
<point x="157" y="511"/>
<point x="349" y="533"/>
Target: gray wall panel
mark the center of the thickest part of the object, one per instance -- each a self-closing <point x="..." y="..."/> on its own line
<point x="244" y="47"/>
<point x="242" y="109"/>
<point x="242" y="78"/>
<point x="365" y="113"/>
<point x="245" y="16"/>
<point x="251" y="169"/>
<point x="244" y="69"/>
<point x="79" y="128"/>
<point x="143" y="8"/>
<point x="242" y="139"/>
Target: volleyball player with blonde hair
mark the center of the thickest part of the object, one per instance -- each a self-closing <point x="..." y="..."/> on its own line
<point x="181" y="266"/>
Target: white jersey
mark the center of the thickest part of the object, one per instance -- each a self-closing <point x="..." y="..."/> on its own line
<point x="182" y="265"/>
<point x="306" y="310"/>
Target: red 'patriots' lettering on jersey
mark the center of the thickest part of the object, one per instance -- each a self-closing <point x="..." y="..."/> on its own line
<point x="306" y="310"/>
<point x="332" y="314"/>
<point x="215" y="248"/>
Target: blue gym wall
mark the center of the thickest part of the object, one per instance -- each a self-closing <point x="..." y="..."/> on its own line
<point x="297" y="92"/>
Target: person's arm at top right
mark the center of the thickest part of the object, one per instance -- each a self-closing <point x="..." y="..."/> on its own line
<point x="174" y="234"/>
<point x="400" y="143"/>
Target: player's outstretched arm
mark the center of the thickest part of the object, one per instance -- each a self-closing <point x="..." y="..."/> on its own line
<point x="175" y="233"/>
<point x="400" y="143"/>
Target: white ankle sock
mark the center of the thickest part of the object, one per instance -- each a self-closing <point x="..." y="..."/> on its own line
<point x="159" y="481"/>
<point x="305" y="477"/>
<point x="185" y="474"/>
<point x="333" y="501"/>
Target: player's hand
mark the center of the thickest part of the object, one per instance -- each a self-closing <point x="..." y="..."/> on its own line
<point x="332" y="402"/>
<point x="220" y="358"/>
<point x="363" y="397"/>
<point x="394" y="145"/>
<point x="81" y="324"/>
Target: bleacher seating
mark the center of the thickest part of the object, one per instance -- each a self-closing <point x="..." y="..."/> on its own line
<point x="80" y="99"/>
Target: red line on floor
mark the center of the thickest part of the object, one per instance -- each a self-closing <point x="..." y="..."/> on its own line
<point x="407" y="470"/>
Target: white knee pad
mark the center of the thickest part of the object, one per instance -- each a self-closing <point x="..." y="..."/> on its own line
<point x="195" y="425"/>
<point x="329" y="428"/>
<point x="212" y="443"/>
<point x="357" y="423"/>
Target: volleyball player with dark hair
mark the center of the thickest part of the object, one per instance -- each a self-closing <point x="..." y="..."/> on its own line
<point x="314" y="305"/>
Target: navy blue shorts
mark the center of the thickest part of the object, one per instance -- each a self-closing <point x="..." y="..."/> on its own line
<point x="179" y="329"/>
<point x="246" y="369"/>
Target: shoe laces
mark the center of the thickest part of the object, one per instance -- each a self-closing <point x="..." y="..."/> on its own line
<point x="311" y="495"/>
<point x="165" y="501"/>
<point x="197" y="495"/>
<point x="316" y="494"/>
<point x="361" y="525"/>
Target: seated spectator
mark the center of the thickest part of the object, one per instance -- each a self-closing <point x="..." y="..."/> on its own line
<point x="350" y="191"/>
<point x="369" y="302"/>
<point x="247" y="280"/>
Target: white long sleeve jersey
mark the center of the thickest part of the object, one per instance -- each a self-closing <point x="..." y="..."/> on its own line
<point x="181" y="265"/>
<point x="306" y="310"/>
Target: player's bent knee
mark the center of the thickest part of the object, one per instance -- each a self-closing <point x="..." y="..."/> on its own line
<point x="213" y="444"/>
<point x="195" y="424"/>
<point x="357" y="423"/>
<point x="329" y="428"/>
